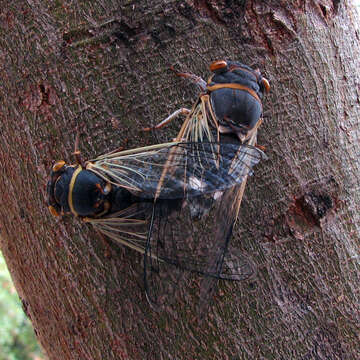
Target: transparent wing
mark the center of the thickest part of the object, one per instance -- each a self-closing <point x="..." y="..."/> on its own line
<point x="228" y="263"/>
<point x="201" y="125"/>
<point x="128" y="227"/>
<point x="179" y="241"/>
<point x="176" y="170"/>
<point x="232" y="266"/>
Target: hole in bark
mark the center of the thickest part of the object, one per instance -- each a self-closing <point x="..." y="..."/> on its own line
<point x="324" y="10"/>
<point x="314" y="206"/>
<point x="45" y="93"/>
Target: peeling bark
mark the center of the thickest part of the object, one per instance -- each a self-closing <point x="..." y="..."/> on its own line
<point x="101" y="66"/>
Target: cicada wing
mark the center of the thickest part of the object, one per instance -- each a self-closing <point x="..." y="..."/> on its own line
<point x="178" y="170"/>
<point x="237" y="266"/>
<point x="177" y="238"/>
<point x="161" y="258"/>
<point x="197" y="126"/>
<point x="232" y="265"/>
<point x="133" y="227"/>
<point x="226" y="262"/>
<point x="185" y="240"/>
<point x="128" y="227"/>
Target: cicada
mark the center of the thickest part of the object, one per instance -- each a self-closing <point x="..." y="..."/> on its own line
<point x="230" y="102"/>
<point x="228" y="109"/>
<point x="145" y="199"/>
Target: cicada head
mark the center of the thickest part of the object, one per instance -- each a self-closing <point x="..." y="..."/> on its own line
<point x="233" y="72"/>
<point x="72" y="189"/>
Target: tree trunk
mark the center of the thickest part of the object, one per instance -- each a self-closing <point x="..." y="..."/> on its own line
<point x="102" y="67"/>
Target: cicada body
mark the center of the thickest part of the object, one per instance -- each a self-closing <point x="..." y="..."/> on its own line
<point x="130" y="196"/>
<point x="230" y="103"/>
<point x="166" y="171"/>
<point x="229" y="108"/>
<point x="236" y="92"/>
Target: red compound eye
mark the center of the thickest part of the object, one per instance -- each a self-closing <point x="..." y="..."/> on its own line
<point x="58" y="166"/>
<point x="266" y="85"/>
<point x="219" y="64"/>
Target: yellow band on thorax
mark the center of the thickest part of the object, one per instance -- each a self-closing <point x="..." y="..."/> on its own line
<point x="236" y="87"/>
<point x="71" y="187"/>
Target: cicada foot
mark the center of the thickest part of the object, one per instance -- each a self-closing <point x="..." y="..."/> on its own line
<point x="175" y="114"/>
<point x="197" y="80"/>
<point x="108" y="252"/>
<point x="250" y="136"/>
<point x="261" y="147"/>
<point x="120" y="148"/>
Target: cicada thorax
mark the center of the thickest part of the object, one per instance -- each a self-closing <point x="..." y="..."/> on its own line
<point x="236" y="91"/>
<point x="72" y="189"/>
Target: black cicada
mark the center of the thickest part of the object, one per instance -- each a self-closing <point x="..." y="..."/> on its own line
<point x="230" y="103"/>
<point x="229" y="108"/>
<point x="143" y="198"/>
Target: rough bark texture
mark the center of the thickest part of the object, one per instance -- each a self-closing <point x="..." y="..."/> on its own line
<point x="102" y="66"/>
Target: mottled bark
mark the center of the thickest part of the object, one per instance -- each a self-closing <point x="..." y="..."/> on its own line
<point x="102" y="66"/>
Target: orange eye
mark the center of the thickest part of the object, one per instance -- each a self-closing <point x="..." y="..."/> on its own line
<point x="219" y="64"/>
<point x="58" y="166"/>
<point x="53" y="211"/>
<point x="266" y="85"/>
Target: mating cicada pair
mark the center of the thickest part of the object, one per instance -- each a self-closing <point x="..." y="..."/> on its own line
<point x="150" y="198"/>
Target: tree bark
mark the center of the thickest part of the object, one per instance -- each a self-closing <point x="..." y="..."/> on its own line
<point x="102" y="67"/>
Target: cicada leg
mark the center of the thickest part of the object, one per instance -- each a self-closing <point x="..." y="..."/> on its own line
<point x="197" y="80"/>
<point x="108" y="252"/>
<point x="251" y="140"/>
<point x="182" y="111"/>
<point x="260" y="147"/>
<point x="77" y="153"/>
<point x="120" y="148"/>
<point x="252" y="133"/>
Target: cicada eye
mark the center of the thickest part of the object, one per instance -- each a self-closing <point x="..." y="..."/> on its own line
<point x="58" y="166"/>
<point x="53" y="211"/>
<point x="217" y="65"/>
<point x="266" y="85"/>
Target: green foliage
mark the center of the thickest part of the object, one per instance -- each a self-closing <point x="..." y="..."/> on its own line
<point x="17" y="338"/>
